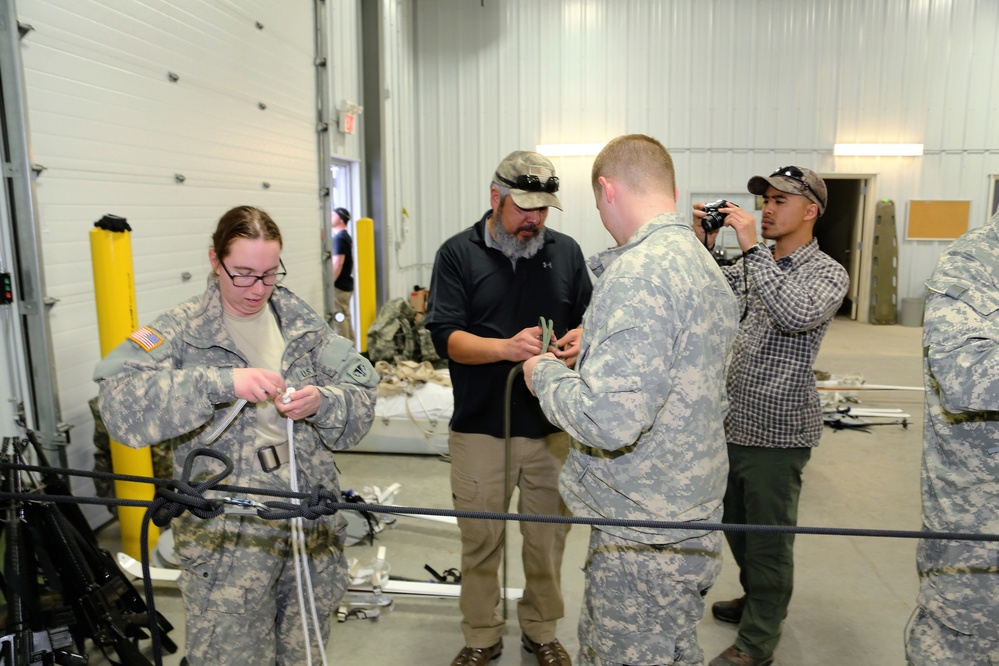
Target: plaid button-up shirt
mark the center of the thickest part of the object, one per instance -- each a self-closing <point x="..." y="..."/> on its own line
<point x="788" y="304"/>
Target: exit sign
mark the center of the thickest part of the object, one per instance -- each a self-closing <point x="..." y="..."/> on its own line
<point x="348" y="122"/>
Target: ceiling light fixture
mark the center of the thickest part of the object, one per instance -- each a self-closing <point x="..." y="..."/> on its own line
<point x="879" y="149"/>
<point x="570" y="149"/>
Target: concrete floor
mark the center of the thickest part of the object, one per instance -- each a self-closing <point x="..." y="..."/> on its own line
<point x="853" y="595"/>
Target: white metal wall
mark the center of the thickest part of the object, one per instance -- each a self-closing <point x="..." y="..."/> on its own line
<point x="113" y="131"/>
<point x="344" y="71"/>
<point x="731" y="87"/>
<point x="406" y="255"/>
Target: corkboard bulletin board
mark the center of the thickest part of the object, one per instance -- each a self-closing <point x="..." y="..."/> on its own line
<point x="937" y="220"/>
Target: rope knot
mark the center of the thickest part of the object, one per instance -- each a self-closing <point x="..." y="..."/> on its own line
<point x="319" y="503"/>
<point x="181" y="495"/>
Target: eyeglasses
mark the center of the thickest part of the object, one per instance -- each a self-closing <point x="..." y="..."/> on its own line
<point x="531" y="183"/>
<point x="269" y="279"/>
<point x="798" y="175"/>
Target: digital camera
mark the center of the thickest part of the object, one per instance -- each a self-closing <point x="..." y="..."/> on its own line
<point x="714" y="219"/>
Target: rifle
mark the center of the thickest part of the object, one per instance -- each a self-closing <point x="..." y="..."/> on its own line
<point x="100" y="602"/>
<point x="20" y="585"/>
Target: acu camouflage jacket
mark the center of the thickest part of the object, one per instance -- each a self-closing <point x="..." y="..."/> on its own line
<point x="646" y="403"/>
<point x="961" y="370"/>
<point x="177" y="390"/>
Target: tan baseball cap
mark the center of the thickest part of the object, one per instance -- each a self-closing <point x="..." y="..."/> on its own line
<point x="531" y="179"/>
<point x="793" y="180"/>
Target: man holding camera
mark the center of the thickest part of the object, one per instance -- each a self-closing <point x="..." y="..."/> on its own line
<point x="788" y="293"/>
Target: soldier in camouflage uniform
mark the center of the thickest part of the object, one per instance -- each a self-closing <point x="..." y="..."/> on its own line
<point x="957" y="617"/>
<point x="645" y="411"/>
<point x="176" y="379"/>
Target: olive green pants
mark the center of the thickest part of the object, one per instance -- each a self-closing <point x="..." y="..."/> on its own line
<point x="764" y="485"/>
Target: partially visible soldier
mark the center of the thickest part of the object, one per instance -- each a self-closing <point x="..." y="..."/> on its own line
<point x="102" y="455"/>
<point x="956" y="620"/>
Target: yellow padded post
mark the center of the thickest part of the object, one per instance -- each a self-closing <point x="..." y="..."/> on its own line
<point x="367" y="294"/>
<point x="114" y="290"/>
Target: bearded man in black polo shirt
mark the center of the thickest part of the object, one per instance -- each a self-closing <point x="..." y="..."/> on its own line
<point x="490" y="286"/>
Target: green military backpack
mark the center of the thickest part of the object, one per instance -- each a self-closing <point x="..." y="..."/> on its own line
<point x="398" y="334"/>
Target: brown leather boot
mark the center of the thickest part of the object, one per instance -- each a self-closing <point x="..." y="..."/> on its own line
<point x="470" y="656"/>
<point x="729" y="611"/>
<point x="733" y="656"/>
<point x="548" y="654"/>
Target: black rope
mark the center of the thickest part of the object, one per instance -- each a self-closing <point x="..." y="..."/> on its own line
<point x="65" y="471"/>
<point x="328" y="508"/>
<point x="147" y="587"/>
<point x="321" y="502"/>
<point x="677" y="525"/>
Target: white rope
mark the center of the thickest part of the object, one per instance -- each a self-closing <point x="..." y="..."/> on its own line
<point x="301" y="557"/>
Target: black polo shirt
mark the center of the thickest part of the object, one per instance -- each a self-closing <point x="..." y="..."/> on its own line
<point x="475" y="288"/>
<point x="342" y="244"/>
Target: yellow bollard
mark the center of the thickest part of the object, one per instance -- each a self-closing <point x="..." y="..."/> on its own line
<point x="114" y="289"/>
<point x="367" y="295"/>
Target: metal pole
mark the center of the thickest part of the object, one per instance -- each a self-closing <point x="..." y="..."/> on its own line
<point x="43" y="416"/>
<point x="324" y="154"/>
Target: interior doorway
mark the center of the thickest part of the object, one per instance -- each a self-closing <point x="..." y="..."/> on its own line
<point x="841" y="234"/>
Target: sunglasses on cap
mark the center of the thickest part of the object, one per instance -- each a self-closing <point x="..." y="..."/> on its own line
<point x="531" y="183"/>
<point x="797" y="174"/>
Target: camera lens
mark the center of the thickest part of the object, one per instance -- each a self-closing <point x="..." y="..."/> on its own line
<point x="713" y="220"/>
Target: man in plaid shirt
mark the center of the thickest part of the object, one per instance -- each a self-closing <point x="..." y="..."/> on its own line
<point x="788" y="294"/>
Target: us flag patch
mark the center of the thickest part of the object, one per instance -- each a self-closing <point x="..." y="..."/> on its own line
<point x="146" y="338"/>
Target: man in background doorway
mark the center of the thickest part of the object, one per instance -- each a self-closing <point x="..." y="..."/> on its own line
<point x="343" y="273"/>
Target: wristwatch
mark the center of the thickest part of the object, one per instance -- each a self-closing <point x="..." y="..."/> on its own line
<point x="759" y="246"/>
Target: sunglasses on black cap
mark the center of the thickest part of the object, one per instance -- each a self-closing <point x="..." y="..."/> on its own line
<point x="798" y="175"/>
<point x="531" y="183"/>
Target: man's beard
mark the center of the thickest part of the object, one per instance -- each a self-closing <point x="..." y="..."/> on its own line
<point x="513" y="247"/>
